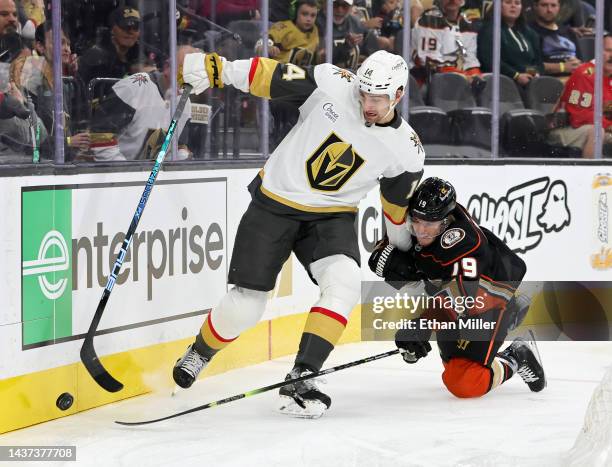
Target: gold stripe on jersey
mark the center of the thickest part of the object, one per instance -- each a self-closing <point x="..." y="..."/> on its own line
<point x="214" y="70"/>
<point x="498" y="289"/>
<point x="261" y="76"/>
<point x="395" y="213"/>
<point x="302" y="207"/>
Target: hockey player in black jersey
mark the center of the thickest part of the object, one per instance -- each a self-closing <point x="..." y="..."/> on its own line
<point x="461" y="263"/>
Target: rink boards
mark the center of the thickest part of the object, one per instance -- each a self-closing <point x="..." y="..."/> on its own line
<point x="62" y="233"/>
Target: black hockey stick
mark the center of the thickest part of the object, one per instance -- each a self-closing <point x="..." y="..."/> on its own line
<point x="88" y="353"/>
<point x="266" y="388"/>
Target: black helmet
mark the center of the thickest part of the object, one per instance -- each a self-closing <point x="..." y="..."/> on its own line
<point x="433" y="200"/>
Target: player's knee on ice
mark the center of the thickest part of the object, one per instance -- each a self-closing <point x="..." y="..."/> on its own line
<point x="465" y="378"/>
<point x="339" y="279"/>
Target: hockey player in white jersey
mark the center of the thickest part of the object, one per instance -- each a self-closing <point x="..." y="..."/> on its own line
<point x="348" y="139"/>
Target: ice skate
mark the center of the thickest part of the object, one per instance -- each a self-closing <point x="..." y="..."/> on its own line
<point x="188" y="367"/>
<point x="529" y="364"/>
<point x="302" y="399"/>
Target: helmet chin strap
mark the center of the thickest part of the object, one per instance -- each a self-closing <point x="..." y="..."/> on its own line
<point x="369" y="124"/>
<point x="391" y="108"/>
<point x="393" y="105"/>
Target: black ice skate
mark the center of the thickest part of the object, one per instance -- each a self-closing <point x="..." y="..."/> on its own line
<point x="188" y="367"/>
<point x="525" y="353"/>
<point x="302" y="399"/>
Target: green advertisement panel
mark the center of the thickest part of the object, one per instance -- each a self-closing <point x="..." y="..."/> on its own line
<point x="46" y="251"/>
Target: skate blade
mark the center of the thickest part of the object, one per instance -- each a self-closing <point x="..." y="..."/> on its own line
<point x="288" y="406"/>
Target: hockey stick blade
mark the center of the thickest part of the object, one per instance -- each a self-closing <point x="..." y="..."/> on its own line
<point x="254" y="392"/>
<point x="88" y="353"/>
<point x="97" y="371"/>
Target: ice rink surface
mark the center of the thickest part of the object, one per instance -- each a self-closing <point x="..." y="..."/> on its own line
<point x="385" y="413"/>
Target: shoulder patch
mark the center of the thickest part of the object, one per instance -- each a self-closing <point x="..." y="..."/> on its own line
<point x="140" y="78"/>
<point x="451" y="237"/>
<point x="417" y="142"/>
<point x="345" y="74"/>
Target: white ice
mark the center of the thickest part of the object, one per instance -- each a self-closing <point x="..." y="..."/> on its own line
<point x="385" y="413"/>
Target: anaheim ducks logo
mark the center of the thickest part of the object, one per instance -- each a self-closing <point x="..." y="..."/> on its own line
<point x="332" y="164"/>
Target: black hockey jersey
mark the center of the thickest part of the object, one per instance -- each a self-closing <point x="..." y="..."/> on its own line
<point x="470" y="261"/>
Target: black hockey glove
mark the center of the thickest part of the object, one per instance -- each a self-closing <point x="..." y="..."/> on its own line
<point x="413" y="344"/>
<point x="392" y="264"/>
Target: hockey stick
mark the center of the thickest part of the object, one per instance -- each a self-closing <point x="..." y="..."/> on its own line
<point x="88" y="353"/>
<point x="254" y="392"/>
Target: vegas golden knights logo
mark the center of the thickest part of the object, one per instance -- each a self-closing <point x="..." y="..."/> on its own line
<point x="332" y="164"/>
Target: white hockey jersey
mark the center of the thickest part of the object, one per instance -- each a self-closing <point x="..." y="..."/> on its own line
<point x="151" y="112"/>
<point x="443" y="44"/>
<point x="330" y="160"/>
<point x="128" y="115"/>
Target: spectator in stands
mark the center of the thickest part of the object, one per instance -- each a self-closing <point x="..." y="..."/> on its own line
<point x="391" y="21"/>
<point x="34" y="16"/>
<point x="130" y="121"/>
<point x="15" y="136"/>
<point x="351" y="38"/>
<point x="34" y="74"/>
<point x="475" y="10"/>
<point x="291" y="41"/>
<point x="294" y="41"/>
<point x="11" y="45"/>
<point x="227" y="11"/>
<point x="443" y="40"/>
<point x="521" y="58"/>
<point x="578" y="101"/>
<point x="571" y="14"/>
<point x="558" y="49"/>
<point x="113" y="58"/>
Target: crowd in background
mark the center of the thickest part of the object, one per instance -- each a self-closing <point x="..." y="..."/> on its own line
<point x="107" y="40"/>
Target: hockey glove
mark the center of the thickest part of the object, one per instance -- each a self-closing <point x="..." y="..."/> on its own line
<point x="392" y="264"/>
<point x="412" y="346"/>
<point x="11" y="107"/>
<point x="202" y="71"/>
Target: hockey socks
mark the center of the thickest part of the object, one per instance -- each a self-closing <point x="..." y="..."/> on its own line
<point x="321" y="333"/>
<point x="208" y="341"/>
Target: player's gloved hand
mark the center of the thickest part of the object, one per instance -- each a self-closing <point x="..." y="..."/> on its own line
<point x="11" y="107"/>
<point x="202" y="71"/>
<point x="392" y="264"/>
<point x="412" y="345"/>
